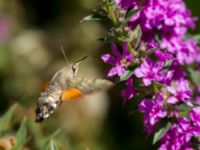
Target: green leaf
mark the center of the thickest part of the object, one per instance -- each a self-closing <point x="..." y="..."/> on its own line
<point x="53" y="145"/>
<point x="38" y="137"/>
<point x="183" y="110"/>
<point x="184" y="107"/>
<point x="131" y="13"/>
<point x="4" y="121"/>
<point x="194" y="75"/>
<point x="91" y="18"/>
<point x="196" y="37"/>
<point x="97" y="15"/>
<point x="48" y="140"/>
<point x="21" y="135"/>
<point x="137" y="34"/>
<point x="106" y="39"/>
<point x="126" y="75"/>
<point x="158" y="38"/>
<point x="110" y="2"/>
<point x="161" y="132"/>
<point x="168" y="63"/>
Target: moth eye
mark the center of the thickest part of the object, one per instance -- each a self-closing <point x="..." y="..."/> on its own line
<point x="74" y="69"/>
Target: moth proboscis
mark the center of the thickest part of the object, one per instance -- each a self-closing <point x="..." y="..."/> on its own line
<point x="66" y="86"/>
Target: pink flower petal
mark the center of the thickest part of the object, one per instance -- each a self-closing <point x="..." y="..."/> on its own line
<point x="112" y="72"/>
<point x="171" y="89"/>
<point x="125" y="49"/>
<point x="107" y="58"/>
<point x="146" y="81"/>
<point x="120" y="70"/>
<point x="115" y="50"/>
<point x="172" y="100"/>
<point x="138" y="73"/>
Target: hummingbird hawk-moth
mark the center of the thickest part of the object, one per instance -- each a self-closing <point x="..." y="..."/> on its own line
<point x="66" y="86"/>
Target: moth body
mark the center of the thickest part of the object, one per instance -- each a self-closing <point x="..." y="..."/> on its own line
<point x="65" y="86"/>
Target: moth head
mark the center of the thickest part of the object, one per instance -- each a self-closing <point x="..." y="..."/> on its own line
<point x="76" y="65"/>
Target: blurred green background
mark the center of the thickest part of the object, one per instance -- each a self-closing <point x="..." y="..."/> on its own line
<point x="31" y="33"/>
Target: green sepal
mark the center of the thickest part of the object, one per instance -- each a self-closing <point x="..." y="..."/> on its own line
<point x="161" y="132"/>
<point x="131" y="13"/>
<point x="137" y="35"/>
<point x="194" y="75"/>
<point x="126" y="75"/>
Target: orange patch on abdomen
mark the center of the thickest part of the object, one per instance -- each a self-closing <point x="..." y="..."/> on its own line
<point x="71" y="94"/>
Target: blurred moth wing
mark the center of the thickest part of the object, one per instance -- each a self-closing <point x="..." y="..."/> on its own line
<point x="65" y="86"/>
<point x="77" y="87"/>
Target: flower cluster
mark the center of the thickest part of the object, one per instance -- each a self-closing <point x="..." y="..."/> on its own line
<point x="163" y="81"/>
<point x="119" y="61"/>
<point x="168" y="19"/>
<point x="153" y="110"/>
<point x="150" y="71"/>
<point x="180" y="134"/>
<point x="129" y="92"/>
<point x="180" y="92"/>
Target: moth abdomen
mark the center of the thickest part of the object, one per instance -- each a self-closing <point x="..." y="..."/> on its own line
<point x="48" y="103"/>
<point x="45" y="108"/>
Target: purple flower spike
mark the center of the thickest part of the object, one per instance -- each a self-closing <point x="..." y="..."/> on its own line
<point x="180" y="92"/>
<point x="164" y="24"/>
<point x="150" y="71"/>
<point x="153" y="111"/>
<point x="119" y="61"/>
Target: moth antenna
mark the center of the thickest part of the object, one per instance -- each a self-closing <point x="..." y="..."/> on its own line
<point x="63" y="52"/>
<point x="82" y="59"/>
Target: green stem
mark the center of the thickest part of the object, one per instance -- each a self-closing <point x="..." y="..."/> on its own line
<point x="111" y="13"/>
<point x="112" y="16"/>
<point x="130" y="48"/>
